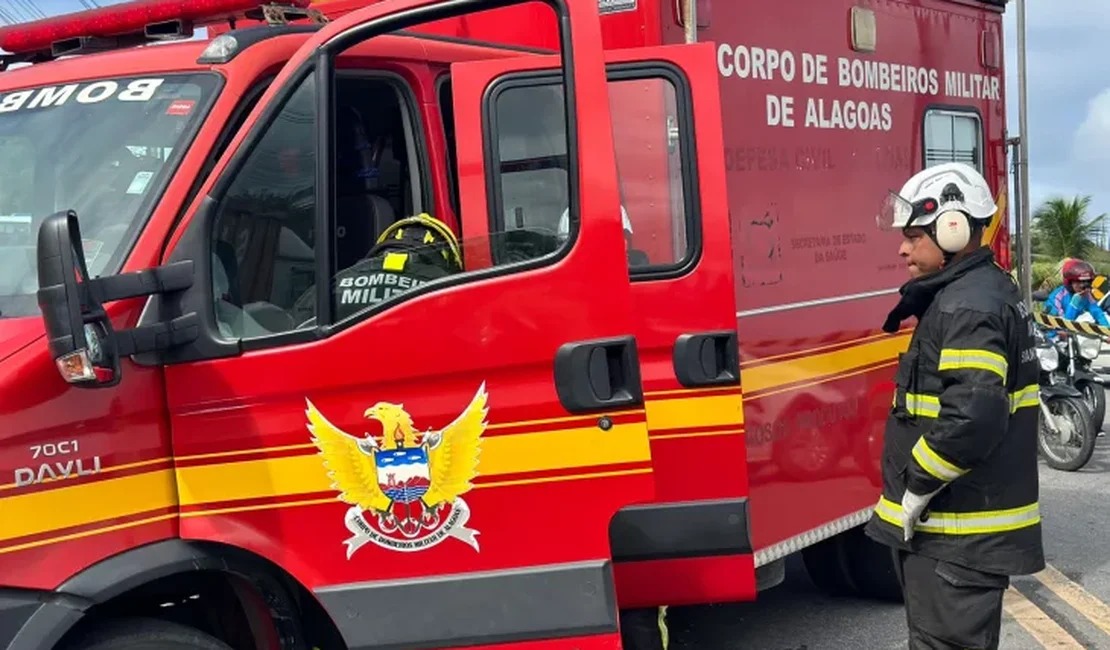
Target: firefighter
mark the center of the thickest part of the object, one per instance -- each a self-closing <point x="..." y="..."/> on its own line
<point x="409" y="253"/>
<point x="959" y="500"/>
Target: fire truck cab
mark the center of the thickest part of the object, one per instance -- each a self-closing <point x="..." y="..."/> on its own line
<point x="241" y="409"/>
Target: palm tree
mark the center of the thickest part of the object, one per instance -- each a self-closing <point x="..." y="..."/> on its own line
<point x="1061" y="228"/>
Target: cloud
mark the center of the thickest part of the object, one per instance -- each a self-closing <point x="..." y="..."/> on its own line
<point x="1068" y="107"/>
<point x="1091" y="145"/>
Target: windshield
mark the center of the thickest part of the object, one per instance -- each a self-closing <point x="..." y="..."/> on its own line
<point x="102" y="148"/>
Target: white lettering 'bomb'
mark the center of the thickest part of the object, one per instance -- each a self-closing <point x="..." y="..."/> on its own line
<point x="96" y="92"/>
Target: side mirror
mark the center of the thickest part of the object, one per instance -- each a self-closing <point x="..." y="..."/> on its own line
<point x="85" y="346"/>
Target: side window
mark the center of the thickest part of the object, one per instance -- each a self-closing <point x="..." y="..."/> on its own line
<point x="652" y="139"/>
<point x="447" y="115"/>
<point x="953" y="136"/>
<point x="264" y="235"/>
<point x="530" y="167"/>
<point x="290" y="266"/>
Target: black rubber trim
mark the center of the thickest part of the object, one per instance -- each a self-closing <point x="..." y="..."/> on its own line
<point x="547" y="602"/>
<point x="133" y="569"/>
<point x="36" y="620"/>
<point x="668" y="531"/>
<point x="324" y="242"/>
<point x="707" y="359"/>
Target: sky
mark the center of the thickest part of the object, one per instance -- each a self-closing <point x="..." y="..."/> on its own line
<point x="1069" y="109"/>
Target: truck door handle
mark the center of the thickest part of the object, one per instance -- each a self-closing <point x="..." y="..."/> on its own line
<point x="707" y="359"/>
<point x="598" y="374"/>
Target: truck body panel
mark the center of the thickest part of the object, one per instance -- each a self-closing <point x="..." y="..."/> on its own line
<point x="754" y="162"/>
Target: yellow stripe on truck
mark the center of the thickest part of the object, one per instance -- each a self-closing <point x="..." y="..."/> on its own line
<point x="694" y="412"/>
<point x="500" y="455"/>
<point x="67" y="506"/>
<point x="77" y="505"/>
<point x="827" y="364"/>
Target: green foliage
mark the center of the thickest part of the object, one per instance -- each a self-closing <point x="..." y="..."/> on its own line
<point x="1061" y="228"/>
<point x="1045" y="275"/>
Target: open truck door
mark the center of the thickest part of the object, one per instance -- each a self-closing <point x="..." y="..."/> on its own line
<point x="692" y="544"/>
<point x="481" y="428"/>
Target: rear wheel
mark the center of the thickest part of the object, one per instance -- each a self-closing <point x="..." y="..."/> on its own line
<point x="641" y="629"/>
<point x="872" y="566"/>
<point x="146" y="634"/>
<point x="1072" y="446"/>
<point x="852" y="564"/>
<point x="829" y="567"/>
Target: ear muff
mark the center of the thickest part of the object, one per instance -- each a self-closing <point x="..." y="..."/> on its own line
<point x="953" y="231"/>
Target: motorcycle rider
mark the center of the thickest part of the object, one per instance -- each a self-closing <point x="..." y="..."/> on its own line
<point x="1073" y="297"/>
<point x="960" y="484"/>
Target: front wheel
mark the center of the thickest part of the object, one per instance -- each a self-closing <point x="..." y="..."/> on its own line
<point x="1074" y="442"/>
<point x="1095" y="397"/>
<point x="147" y="634"/>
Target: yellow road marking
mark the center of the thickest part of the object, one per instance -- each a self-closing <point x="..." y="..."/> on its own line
<point x="1036" y="622"/>
<point x="1076" y="596"/>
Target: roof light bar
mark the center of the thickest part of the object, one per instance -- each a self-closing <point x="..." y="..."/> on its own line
<point x="139" y="19"/>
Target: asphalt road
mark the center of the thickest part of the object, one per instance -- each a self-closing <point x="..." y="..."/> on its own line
<point x="1064" y="607"/>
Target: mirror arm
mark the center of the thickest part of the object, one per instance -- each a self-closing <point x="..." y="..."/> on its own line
<point x="160" y="279"/>
<point x="157" y="336"/>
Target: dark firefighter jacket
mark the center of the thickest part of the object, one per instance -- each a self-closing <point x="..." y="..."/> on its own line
<point x="964" y="420"/>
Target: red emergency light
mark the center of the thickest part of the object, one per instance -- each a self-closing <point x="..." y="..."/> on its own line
<point x="137" y="20"/>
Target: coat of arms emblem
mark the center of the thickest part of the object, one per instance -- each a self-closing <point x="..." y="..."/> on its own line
<point x="405" y="487"/>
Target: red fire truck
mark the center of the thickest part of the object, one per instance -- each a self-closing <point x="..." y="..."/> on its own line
<point x="658" y="372"/>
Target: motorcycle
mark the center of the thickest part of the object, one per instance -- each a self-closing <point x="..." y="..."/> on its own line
<point x="1077" y="353"/>
<point x="1065" y="416"/>
<point x="1082" y="350"/>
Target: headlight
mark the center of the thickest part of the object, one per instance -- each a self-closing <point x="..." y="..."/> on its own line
<point x="1089" y="346"/>
<point x="1048" y="357"/>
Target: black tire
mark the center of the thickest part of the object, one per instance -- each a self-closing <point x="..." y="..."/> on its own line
<point x="1095" y="395"/>
<point x="1075" y="409"/>
<point x="872" y="566"/>
<point x="640" y="629"/>
<point x="146" y="634"/>
<point x="829" y="566"/>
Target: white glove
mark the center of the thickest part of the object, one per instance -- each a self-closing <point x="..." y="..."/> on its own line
<point x="912" y="507"/>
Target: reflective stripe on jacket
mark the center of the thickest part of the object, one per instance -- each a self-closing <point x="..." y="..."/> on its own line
<point x="964" y="421"/>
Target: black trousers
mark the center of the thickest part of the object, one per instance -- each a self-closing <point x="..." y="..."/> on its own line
<point x="950" y="607"/>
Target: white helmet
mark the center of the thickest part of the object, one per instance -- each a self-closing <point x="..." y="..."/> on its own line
<point x="564" y="223"/>
<point x="947" y="195"/>
<point x="941" y="188"/>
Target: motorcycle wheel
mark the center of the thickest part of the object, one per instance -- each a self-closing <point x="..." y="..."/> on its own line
<point x="1071" y="413"/>
<point x="1095" y="397"/>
